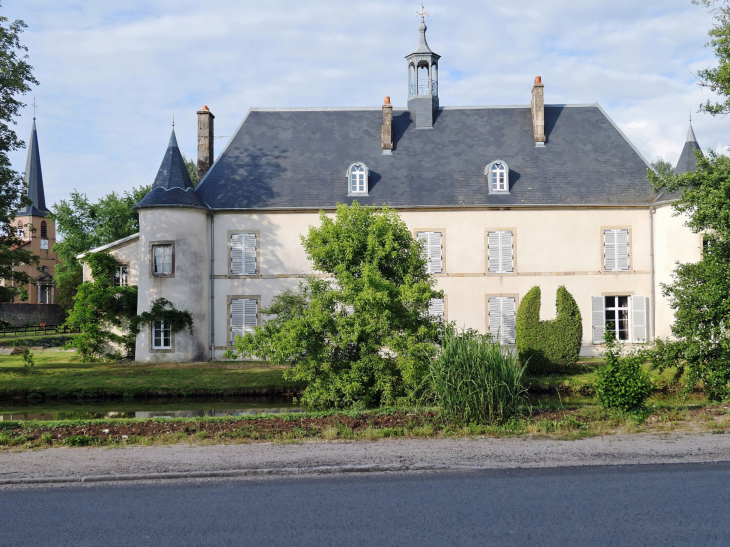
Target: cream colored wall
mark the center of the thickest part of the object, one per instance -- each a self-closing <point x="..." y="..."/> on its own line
<point x="674" y="242"/>
<point x="126" y="253"/>
<point x="552" y="248"/>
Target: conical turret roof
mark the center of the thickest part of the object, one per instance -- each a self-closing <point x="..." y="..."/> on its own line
<point x="34" y="178"/>
<point x="687" y="161"/>
<point x="172" y="186"/>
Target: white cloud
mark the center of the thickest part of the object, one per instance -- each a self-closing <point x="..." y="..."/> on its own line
<point x="113" y="74"/>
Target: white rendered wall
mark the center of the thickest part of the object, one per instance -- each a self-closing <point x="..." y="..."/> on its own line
<point x="126" y="253"/>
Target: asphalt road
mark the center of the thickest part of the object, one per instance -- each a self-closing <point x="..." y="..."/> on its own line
<point x="682" y="504"/>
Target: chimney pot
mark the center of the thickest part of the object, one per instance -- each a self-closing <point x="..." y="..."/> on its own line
<point x="205" y="108"/>
<point x="205" y="141"/>
<point x="538" y="79"/>
<point x="386" y="100"/>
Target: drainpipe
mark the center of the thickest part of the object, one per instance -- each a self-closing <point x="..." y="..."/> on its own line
<point x="212" y="291"/>
<point x="651" y="265"/>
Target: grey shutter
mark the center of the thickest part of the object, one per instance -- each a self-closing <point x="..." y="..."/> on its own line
<point x="506" y="252"/>
<point x="639" y="318"/>
<point x="495" y="317"/>
<point x="236" y="254"/>
<point x="493" y="252"/>
<point x="435" y="257"/>
<point x="237" y="312"/>
<point x="508" y="320"/>
<point x="622" y="250"/>
<point x="249" y="254"/>
<point x="598" y="318"/>
<point x="251" y="315"/>
<point x="609" y="250"/>
<point x="436" y="308"/>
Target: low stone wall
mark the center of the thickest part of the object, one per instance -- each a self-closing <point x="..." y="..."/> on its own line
<point x="21" y="315"/>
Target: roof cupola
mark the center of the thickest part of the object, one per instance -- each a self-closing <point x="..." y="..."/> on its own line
<point x="423" y="96"/>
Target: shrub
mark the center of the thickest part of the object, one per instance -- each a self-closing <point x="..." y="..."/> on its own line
<point x="546" y="347"/>
<point x="622" y="383"/>
<point x="475" y="380"/>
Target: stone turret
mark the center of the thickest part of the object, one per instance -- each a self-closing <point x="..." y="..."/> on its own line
<point x="687" y="161"/>
<point x="423" y="93"/>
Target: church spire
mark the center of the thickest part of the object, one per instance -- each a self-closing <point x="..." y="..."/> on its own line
<point x="34" y="178"/>
<point x="687" y="161"/>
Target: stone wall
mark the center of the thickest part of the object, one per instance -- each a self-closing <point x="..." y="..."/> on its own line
<point x="22" y="315"/>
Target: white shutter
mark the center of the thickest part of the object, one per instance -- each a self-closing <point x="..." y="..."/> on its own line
<point x="506" y="262"/>
<point x="508" y="320"/>
<point x="609" y="250"/>
<point x="639" y="318"/>
<point x="251" y="315"/>
<point x="598" y="318"/>
<point x="249" y="254"/>
<point x="493" y="252"/>
<point x="237" y="321"/>
<point x="422" y="238"/>
<point x="436" y="308"/>
<point x="622" y="250"/>
<point x="434" y="252"/>
<point x="236" y="254"/>
<point x="495" y="317"/>
<point x="350" y="310"/>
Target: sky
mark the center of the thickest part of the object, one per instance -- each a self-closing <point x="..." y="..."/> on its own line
<point x="113" y="74"/>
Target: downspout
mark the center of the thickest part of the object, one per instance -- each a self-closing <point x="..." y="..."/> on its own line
<point x="651" y="265"/>
<point x="212" y="291"/>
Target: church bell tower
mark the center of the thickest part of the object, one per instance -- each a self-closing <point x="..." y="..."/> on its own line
<point x="423" y="89"/>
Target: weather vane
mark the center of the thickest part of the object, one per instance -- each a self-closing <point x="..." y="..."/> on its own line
<point x="423" y="13"/>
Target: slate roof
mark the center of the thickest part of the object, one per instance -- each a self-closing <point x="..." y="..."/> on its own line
<point x="34" y="178"/>
<point x="172" y="186"/>
<point x="687" y="161"/>
<point x="297" y="158"/>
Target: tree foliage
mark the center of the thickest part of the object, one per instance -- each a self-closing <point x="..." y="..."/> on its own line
<point x="717" y="79"/>
<point x="163" y="310"/>
<point x="547" y="347"/>
<point x="622" y="382"/>
<point x="699" y="293"/>
<point x="663" y="167"/>
<point x="16" y="77"/>
<point x="100" y="308"/>
<point x="84" y="225"/>
<point x="192" y="169"/>
<point x="380" y="353"/>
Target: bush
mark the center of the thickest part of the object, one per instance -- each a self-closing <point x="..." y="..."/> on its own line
<point x="622" y="383"/>
<point x="475" y="380"/>
<point x="547" y="347"/>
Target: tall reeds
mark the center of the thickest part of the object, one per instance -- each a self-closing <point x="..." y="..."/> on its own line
<point x="476" y="380"/>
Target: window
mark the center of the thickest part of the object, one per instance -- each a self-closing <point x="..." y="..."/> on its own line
<point x="357" y="175"/>
<point x="44" y="230"/>
<point x="162" y="260"/>
<point x="161" y="335"/>
<point x="498" y="174"/>
<point x="432" y="244"/>
<point x="616" y="250"/>
<point x="502" y="312"/>
<point x="500" y="253"/>
<point x="243" y="254"/>
<point x="44" y="294"/>
<point x="626" y="316"/>
<point x="436" y="308"/>
<point x="121" y="276"/>
<point x="244" y="316"/>
<point x="20" y="231"/>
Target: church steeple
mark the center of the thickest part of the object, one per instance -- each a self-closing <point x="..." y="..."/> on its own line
<point x="34" y="178"/>
<point x="687" y="161"/>
<point x="423" y="97"/>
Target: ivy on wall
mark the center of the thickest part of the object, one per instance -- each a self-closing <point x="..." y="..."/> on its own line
<point x="163" y="310"/>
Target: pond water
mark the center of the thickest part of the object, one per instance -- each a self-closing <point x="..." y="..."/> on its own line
<point x="147" y="408"/>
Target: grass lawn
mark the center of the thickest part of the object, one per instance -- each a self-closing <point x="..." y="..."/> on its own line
<point x="55" y="375"/>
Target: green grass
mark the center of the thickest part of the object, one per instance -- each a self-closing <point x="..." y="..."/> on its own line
<point x="55" y="375"/>
<point x="36" y="339"/>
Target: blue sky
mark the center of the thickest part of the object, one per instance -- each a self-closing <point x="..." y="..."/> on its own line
<point x="113" y="73"/>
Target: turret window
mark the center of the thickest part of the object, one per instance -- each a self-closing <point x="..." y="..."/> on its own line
<point x="498" y="175"/>
<point x="357" y="176"/>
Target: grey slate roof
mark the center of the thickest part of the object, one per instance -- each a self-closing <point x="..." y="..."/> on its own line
<point x="687" y="161"/>
<point x="34" y="178"/>
<point x="172" y="186"/>
<point x="297" y="158"/>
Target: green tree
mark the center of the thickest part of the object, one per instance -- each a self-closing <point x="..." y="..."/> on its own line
<point x="663" y="167"/>
<point x="699" y="293"/>
<point x="717" y="79"/>
<point x="547" y="347"/>
<point x="192" y="169"/>
<point x="16" y="76"/>
<point x="378" y="351"/>
<point x="84" y="225"/>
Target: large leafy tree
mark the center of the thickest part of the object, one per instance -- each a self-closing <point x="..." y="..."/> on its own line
<point x="358" y="333"/>
<point x="700" y="292"/>
<point x="717" y="78"/>
<point x="16" y="76"/>
<point x="83" y="225"/>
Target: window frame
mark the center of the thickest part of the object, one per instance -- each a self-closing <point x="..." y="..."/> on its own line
<point x="603" y="231"/>
<point x="488" y="173"/>
<point x="514" y="250"/>
<point x="257" y="298"/>
<point x="445" y="305"/>
<point x="256" y="233"/>
<point x="20" y="230"/>
<point x="617" y="308"/>
<point x="348" y="174"/>
<point x="441" y="231"/>
<point x="154" y="244"/>
<point x="162" y="348"/>
<point x="487" y="319"/>
<point x="126" y="276"/>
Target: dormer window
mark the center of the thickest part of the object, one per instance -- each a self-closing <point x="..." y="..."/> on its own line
<point x="357" y="177"/>
<point x="498" y="175"/>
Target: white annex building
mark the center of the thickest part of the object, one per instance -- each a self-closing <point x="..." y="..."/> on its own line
<point x="506" y="197"/>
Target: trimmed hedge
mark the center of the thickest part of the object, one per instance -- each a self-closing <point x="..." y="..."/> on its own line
<point x="547" y="347"/>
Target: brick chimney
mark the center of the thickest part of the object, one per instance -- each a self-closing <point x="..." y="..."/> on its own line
<point x="205" y="141"/>
<point x="538" y="111"/>
<point x="386" y="140"/>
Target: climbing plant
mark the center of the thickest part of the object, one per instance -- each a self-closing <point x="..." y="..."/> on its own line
<point x="163" y="310"/>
